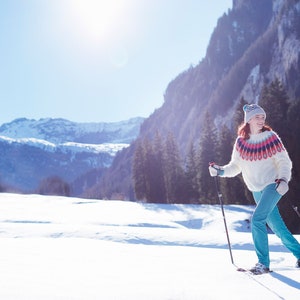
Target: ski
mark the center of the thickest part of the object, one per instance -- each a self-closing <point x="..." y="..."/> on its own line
<point x="258" y="279"/>
<point x="239" y="269"/>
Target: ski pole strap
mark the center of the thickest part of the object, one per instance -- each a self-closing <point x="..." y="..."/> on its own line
<point x="220" y="172"/>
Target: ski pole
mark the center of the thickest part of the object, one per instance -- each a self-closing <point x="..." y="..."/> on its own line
<point x="220" y="196"/>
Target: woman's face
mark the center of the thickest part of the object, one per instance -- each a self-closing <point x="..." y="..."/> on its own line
<point x="256" y="123"/>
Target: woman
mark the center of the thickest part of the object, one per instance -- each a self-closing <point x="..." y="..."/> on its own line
<point x="260" y="156"/>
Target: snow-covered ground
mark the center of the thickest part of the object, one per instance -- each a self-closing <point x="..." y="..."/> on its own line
<point x="71" y="248"/>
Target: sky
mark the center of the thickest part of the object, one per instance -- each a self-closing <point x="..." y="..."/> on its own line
<point x="97" y="60"/>
<point x="55" y="248"/>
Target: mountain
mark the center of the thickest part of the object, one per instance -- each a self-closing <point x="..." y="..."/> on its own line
<point x="33" y="150"/>
<point x="61" y="131"/>
<point x="252" y="45"/>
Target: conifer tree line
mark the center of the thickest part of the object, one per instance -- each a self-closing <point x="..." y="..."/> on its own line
<point x="158" y="173"/>
<point x="162" y="175"/>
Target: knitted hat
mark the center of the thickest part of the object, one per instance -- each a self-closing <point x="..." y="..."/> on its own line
<point x="251" y="110"/>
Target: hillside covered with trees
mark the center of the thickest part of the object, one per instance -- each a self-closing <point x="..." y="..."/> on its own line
<point x="253" y="57"/>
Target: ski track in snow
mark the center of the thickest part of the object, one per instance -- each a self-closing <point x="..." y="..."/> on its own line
<point x="71" y="248"/>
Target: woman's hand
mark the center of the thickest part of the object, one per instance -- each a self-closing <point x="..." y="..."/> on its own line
<point x="282" y="186"/>
<point x="215" y="170"/>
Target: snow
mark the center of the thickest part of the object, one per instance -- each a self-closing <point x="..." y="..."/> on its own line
<point x="72" y="248"/>
<point x="110" y="148"/>
<point x="277" y="5"/>
<point x="58" y="131"/>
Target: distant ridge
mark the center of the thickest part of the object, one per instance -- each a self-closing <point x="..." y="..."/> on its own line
<point x="34" y="150"/>
<point x="59" y="130"/>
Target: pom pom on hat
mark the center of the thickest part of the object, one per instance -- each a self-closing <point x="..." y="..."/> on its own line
<point x="251" y="110"/>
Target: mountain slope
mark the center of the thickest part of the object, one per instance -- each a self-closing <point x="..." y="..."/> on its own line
<point x="255" y="43"/>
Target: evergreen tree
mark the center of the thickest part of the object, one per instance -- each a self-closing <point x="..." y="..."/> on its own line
<point x="159" y="167"/>
<point x="293" y="147"/>
<point x="173" y="171"/>
<point x="285" y="122"/>
<point x="138" y="171"/>
<point x="152" y="167"/>
<point x="192" y="188"/>
<point x="274" y="100"/>
<point x="207" y="153"/>
<point x="225" y="144"/>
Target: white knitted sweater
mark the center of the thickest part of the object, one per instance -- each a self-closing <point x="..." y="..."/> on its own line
<point x="262" y="159"/>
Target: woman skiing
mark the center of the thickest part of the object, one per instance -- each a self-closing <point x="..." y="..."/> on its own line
<point x="260" y="156"/>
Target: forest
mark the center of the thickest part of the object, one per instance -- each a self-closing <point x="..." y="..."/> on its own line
<point x="162" y="174"/>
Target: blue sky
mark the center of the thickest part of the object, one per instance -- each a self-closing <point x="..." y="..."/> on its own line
<point x="97" y="60"/>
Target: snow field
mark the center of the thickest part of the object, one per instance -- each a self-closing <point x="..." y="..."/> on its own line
<point x="70" y="248"/>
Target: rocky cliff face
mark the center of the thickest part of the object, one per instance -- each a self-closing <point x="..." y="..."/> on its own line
<point x="283" y="44"/>
<point x="254" y="43"/>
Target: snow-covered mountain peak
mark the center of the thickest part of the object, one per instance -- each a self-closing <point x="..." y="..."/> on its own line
<point x="60" y="130"/>
<point x="36" y="149"/>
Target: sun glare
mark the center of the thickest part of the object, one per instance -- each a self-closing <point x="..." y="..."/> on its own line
<point x="99" y="19"/>
<point x="108" y="30"/>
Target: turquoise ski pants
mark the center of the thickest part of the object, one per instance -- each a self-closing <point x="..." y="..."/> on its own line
<point x="266" y="212"/>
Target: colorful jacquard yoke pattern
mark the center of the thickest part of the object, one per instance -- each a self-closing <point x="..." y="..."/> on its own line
<point x="260" y="149"/>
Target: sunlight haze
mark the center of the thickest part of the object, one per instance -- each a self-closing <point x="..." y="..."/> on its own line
<point x="98" y="61"/>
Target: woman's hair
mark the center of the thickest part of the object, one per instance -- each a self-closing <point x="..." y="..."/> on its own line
<point x="244" y="130"/>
